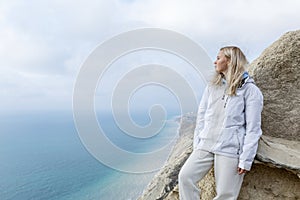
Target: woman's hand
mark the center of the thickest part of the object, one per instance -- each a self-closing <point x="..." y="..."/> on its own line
<point x="241" y="171"/>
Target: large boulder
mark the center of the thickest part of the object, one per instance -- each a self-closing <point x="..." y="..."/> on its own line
<point x="276" y="72"/>
<point x="276" y="170"/>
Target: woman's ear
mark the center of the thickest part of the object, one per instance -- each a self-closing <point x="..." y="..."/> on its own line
<point x="228" y="61"/>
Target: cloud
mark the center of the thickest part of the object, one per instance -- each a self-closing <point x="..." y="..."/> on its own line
<point x="28" y="91"/>
<point x="40" y="36"/>
<point x="253" y="25"/>
<point x="44" y="43"/>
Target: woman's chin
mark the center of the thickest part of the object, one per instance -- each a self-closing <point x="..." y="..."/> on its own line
<point x="218" y="71"/>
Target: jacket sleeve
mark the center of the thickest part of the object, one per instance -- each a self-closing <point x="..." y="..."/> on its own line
<point x="200" y="116"/>
<point x="253" y="108"/>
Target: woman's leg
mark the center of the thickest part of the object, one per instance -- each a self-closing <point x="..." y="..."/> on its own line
<point x="193" y="170"/>
<point x="228" y="181"/>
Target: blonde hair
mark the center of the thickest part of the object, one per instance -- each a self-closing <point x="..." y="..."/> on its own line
<point x="236" y="67"/>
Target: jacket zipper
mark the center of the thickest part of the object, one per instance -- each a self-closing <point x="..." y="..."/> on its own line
<point x="238" y="142"/>
<point x="225" y="97"/>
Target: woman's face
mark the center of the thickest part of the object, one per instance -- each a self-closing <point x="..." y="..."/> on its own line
<point x="221" y="64"/>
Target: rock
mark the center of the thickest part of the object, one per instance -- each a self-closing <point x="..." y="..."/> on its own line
<point x="281" y="153"/>
<point x="276" y="72"/>
<point x="275" y="173"/>
<point x="268" y="183"/>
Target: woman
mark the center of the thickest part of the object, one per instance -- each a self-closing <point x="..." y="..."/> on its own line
<point x="227" y="130"/>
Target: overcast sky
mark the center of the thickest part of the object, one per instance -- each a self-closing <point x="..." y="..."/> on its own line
<point x="44" y="43"/>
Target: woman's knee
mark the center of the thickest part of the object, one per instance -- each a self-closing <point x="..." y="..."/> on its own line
<point x="184" y="176"/>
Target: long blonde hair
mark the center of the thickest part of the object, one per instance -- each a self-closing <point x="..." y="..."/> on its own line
<point x="236" y="67"/>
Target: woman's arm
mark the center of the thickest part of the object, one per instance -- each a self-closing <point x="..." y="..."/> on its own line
<point x="253" y="109"/>
<point x="200" y="116"/>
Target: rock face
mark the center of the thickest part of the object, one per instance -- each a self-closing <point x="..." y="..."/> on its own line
<point x="276" y="72"/>
<point x="275" y="173"/>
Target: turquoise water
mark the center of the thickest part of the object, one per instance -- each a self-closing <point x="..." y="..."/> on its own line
<point x="42" y="157"/>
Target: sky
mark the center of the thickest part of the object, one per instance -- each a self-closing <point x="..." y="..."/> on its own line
<point x="43" y="44"/>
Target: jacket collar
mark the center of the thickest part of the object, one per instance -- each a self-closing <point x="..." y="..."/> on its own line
<point x="246" y="79"/>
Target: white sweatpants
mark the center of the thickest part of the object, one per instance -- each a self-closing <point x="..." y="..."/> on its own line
<point x="228" y="181"/>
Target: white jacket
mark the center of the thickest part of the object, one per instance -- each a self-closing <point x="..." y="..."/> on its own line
<point x="241" y="128"/>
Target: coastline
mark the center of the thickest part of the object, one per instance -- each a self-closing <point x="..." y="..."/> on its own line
<point x="165" y="180"/>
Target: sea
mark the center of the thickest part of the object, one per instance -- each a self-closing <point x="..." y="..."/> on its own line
<point x="43" y="158"/>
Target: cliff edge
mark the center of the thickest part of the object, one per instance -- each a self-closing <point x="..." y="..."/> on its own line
<point x="276" y="170"/>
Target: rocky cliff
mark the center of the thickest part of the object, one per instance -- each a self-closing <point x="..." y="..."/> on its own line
<point x="276" y="170"/>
